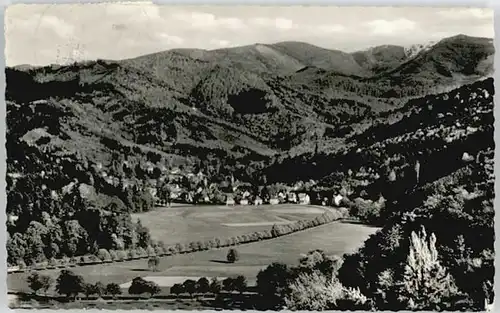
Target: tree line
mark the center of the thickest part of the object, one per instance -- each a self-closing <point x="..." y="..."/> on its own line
<point x="159" y="249"/>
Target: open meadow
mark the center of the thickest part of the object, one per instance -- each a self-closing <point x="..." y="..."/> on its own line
<point x="197" y="223"/>
<point x="334" y="238"/>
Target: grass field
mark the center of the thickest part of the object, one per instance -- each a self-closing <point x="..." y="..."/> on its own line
<point x="193" y="223"/>
<point x="335" y="238"/>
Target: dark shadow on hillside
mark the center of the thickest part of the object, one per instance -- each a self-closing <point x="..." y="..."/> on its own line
<point x="140" y="270"/>
<point x="221" y="261"/>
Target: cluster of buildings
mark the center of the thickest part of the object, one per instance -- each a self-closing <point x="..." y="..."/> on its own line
<point x="240" y="195"/>
<point x="291" y="197"/>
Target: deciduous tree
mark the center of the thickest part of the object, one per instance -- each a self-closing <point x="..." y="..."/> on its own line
<point x="69" y="284"/>
<point x="233" y="255"/>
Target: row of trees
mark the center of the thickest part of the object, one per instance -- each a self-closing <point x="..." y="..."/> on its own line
<point x="156" y="249"/>
<point x="215" y="286"/>
<point x="31" y="248"/>
<point x="70" y="285"/>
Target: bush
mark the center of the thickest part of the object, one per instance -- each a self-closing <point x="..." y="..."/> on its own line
<point x="53" y="262"/>
<point x="103" y="255"/>
<point x="195" y="246"/>
<point x="177" y="289"/>
<point x="21" y="264"/>
<point x="141" y="252"/>
<point x="112" y="255"/>
<point x="121" y="255"/>
<point x="113" y="289"/>
<point x="172" y="250"/>
<point x="203" y="246"/>
<point x="314" y="292"/>
<point x="34" y="282"/>
<point x="100" y="288"/>
<point x="140" y="286"/>
<point x="89" y="289"/>
<point x="159" y="250"/>
<point x="203" y="285"/>
<point x="272" y="284"/>
<point x="189" y="286"/>
<point x="150" y="251"/>
<point x="233" y="256"/>
<point x="153" y="263"/>
<point x="228" y="284"/>
<point x="179" y="248"/>
<point x="69" y="284"/>
<point x="215" y="286"/>
<point x="132" y="254"/>
<point x="240" y="283"/>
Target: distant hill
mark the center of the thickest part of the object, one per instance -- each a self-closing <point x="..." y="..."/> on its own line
<point x="455" y="58"/>
<point x="381" y="58"/>
<point x="264" y="99"/>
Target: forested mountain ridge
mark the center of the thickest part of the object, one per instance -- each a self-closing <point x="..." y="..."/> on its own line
<point x="94" y="138"/>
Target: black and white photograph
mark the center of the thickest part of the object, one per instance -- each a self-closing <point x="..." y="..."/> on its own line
<point x="249" y="157"/>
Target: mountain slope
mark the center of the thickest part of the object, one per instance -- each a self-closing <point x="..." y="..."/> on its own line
<point x="381" y="58"/>
<point x="332" y="60"/>
<point x="242" y="92"/>
<point x="458" y="56"/>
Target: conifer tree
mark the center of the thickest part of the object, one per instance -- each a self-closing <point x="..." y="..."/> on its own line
<point x="425" y="283"/>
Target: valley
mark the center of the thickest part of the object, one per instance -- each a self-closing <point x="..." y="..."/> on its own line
<point x="305" y="160"/>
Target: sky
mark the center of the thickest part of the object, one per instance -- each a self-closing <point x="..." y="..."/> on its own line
<point x="41" y="34"/>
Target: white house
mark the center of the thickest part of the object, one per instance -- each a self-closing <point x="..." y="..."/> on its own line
<point x="229" y="201"/>
<point x="467" y="157"/>
<point x="324" y="201"/>
<point x="149" y="167"/>
<point x="257" y="201"/>
<point x="245" y="195"/>
<point x="274" y="201"/>
<point x="291" y="197"/>
<point x="244" y="202"/>
<point x="337" y="199"/>
<point x="304" y="198"/>
<point x="12" y="218"/>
